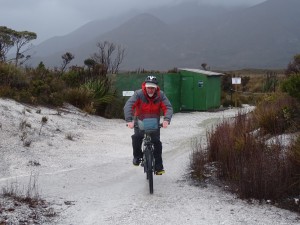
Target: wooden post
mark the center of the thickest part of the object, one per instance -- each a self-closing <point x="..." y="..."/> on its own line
<point x="236" y="95"/>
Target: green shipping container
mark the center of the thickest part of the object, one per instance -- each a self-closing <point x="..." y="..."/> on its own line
<point x="190" y="89"/>
<point x="171" y="87"/>
<point x="200" y="89"/>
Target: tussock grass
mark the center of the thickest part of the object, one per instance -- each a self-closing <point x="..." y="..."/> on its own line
<point x="245" y="159"/>
<point x="14" y="197"/>
<point x="29" y="195"/>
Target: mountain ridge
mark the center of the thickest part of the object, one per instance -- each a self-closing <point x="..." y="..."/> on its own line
<point x="260" y="36"/>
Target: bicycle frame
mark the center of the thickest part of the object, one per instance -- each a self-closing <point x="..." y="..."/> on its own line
<point x="148" y="161"/>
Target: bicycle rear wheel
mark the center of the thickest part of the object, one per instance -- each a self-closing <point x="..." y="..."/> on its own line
<point x="149" y="171"/>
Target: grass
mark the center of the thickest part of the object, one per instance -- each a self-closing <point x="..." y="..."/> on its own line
<point x="14" y="197"/>
<point x="240" y="154"/>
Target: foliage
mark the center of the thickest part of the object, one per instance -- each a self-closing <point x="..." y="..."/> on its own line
<point x="11" y="76"/>
<point x="109" y="56"/>
<point x="67" y="58"/>
<point x="102" y="94"/>
<point x="243" y="158"/>
<point x="19" y="39"/>
<point x="271" y="82"/>
<point x="277" y="113"/>
<point x="294" y="66"/>
<point x="226" y="85"/>
<point x="6" y="42"/>
<point x="115" y="109"/>
<point x="244" y="81"/>
<point x="72" y="78"/>
<point x="292" y="86"/>
<point x="80" y="97"/>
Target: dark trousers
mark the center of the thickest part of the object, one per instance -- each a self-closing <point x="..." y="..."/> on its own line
<point x="137" y="140"/>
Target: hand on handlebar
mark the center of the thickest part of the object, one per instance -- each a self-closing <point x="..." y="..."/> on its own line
<point x="165" y="124"/>
<point x="130" y="125"/>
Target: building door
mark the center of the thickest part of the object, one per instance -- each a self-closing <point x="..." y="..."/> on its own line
<point x="187" y="93"/>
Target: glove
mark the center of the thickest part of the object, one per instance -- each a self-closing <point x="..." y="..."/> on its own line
<point x="130" y="125"/>
<point x="165" y="124"/>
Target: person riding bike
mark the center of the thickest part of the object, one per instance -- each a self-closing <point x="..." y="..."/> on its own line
<point x="148" y="102"/>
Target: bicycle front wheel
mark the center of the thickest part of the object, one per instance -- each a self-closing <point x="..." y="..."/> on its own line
<point x="149" y="172"/>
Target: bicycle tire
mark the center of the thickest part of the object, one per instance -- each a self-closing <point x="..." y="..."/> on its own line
<point x="149" y="172"/>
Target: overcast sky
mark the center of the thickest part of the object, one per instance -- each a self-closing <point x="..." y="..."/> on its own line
<point x="48" y="18"/>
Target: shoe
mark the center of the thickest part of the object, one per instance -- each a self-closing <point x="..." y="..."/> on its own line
<point x="136" y="161"/>
<point x="160" y="172"/>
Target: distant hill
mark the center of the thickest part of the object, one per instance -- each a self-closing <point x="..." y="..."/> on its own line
<point x="262" y="36"/>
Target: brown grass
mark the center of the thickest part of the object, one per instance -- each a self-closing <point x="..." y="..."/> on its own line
<point x="247" y="160"/>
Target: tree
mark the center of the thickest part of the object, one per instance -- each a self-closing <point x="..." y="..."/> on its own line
<point x="21" y="39"/>
<point x="204" y="66"/>
<point x="67" y="58"/>
<point x="10" y="38"/>
<point x="294" y="66"/>
<point x="109" y="56"/>
<point x="6" y="42"/>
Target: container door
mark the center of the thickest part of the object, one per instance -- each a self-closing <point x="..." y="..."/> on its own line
<point x="187" y="93"/>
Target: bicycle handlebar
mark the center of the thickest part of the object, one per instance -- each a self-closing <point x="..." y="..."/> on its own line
<point x="135" y="125"/>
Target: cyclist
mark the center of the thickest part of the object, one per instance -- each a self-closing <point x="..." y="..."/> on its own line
<point x="148" y="102"/>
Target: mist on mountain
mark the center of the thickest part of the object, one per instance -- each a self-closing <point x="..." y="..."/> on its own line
<point x="186" y="35"/>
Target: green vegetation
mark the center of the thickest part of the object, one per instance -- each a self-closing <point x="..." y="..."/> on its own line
<point x="41" y="86"/>
<point x="88" y="88"/>
<point x="10" y="38"/>
<point x="248" y="153"/>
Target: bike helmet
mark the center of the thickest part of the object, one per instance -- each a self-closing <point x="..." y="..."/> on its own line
<point x="151" y="79"/>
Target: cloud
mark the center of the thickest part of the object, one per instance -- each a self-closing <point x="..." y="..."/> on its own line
<point x="50" y="18"/>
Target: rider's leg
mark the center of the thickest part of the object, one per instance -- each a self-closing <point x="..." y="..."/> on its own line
<point x="137" y="140"/>
<point x="155" y="137"/>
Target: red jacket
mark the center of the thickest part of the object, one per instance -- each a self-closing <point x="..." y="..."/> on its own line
<point x="142" y="106"/>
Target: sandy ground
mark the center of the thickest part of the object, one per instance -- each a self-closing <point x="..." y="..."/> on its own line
<point x="82" y="165"/>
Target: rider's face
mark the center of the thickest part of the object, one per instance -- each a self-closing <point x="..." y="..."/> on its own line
<point x="150" y="91"/>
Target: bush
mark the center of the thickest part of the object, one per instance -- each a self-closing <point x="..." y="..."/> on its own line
<point x="294" y="157"/>
<point x="72" y="79"/>
<point x="80" y="97"/>
<point x="12" y="77"/>
<point x="252" y="166"/>
<point x="292" y="86"/>
<point x="277" y="113"/>
<point x="102" y="94"/>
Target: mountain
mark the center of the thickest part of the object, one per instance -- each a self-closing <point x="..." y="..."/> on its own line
<point x="262" y="36"/>
<point x="187" y="35"/>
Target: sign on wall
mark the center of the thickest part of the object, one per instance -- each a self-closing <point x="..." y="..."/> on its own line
<point x="128" y="93"/>
<point x="200" y="83"/>
<point x="236" y="80"/>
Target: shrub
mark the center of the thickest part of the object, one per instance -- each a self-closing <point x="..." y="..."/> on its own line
<point x="12" y="77"/>
<point x="292" y="86"/>
<point x="72" y="78"/>
<point x="254" y="167"/>
<point x="79" y="97"/>
<point x="277" y="113"/>
<point x="115" y="109"/>
<point x="102" y="94"/>
<point x="294" y="157"/>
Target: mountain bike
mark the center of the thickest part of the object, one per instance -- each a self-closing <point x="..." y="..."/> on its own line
<point x="148" y="162"/>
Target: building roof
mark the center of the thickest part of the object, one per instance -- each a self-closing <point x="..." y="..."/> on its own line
<point x="205" y="72"/>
